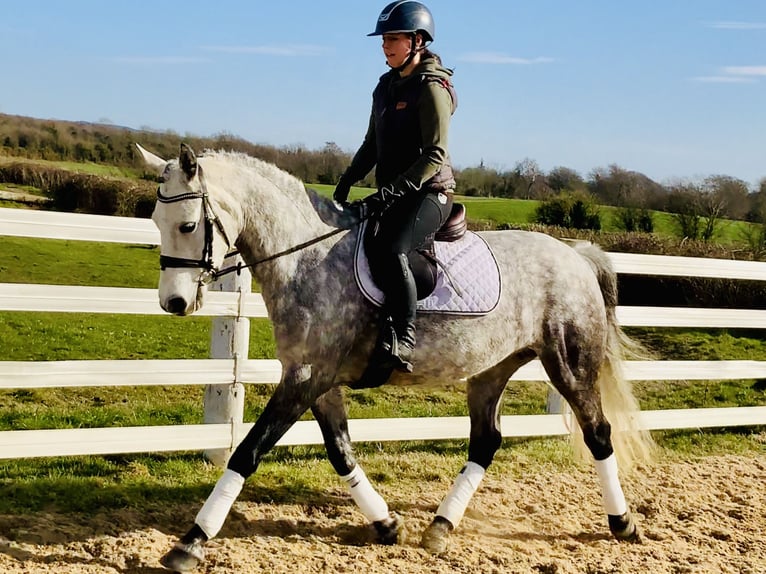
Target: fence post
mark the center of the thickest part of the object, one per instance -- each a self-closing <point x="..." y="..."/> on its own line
<point x="229" y="338"/>
<point x="556" y="403"/>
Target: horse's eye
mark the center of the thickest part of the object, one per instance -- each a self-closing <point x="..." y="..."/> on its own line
<point x="188" y="227"/>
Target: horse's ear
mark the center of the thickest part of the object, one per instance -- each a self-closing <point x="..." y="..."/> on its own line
<point x="188" y="161"/>
<point x="153" y="161"/>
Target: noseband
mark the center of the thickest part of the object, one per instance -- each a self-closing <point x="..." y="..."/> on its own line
<point x="205" y="262"/>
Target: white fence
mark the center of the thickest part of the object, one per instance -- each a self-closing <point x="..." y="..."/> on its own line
<point x="234" y="371"/>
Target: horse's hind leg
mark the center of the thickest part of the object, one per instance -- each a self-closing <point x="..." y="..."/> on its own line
<point x="484" y="392"/>
<point x="573" y="372"/>
<point x="330" y="412"/>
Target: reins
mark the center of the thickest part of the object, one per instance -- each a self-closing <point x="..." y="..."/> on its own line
<point x="210" y="273"/>
<point x="239" y="266"/>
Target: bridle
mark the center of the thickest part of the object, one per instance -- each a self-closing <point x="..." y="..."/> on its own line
<point x="205" y="262"/>
<point x="209" y="271"/>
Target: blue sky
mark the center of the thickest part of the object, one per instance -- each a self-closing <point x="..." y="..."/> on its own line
<point x="672" y="88"/>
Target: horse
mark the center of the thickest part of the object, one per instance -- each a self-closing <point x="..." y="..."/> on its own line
<point x="557" y="304"/>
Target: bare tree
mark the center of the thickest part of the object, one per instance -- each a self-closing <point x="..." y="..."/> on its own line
<point x="565" y="179"/>
<point x="529" y="171"/>
<point x="332" y="162"/>
<point x="729" y="194"/>
<point x="624" y="188"/>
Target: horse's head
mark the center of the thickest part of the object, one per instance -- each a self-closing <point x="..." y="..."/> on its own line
<point x="193" y="235"/>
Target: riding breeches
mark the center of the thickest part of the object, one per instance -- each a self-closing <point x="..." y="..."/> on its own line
<point x="409" y="224"/>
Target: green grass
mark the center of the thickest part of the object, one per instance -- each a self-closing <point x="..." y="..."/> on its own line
<point x="62" y="262"/>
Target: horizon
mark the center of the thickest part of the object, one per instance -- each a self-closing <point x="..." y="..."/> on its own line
<point x="669" y="91"/>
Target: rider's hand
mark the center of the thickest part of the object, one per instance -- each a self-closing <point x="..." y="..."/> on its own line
<point x="340" y="195"/>
<point x="385" y="197"/>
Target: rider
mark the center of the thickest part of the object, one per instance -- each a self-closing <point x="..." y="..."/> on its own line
<point x="406" y="142"/>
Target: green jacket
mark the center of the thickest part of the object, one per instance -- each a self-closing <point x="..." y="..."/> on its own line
<point x="406" y="140"/>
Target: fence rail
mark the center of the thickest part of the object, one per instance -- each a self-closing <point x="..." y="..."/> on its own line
<point x="225" y="371"/>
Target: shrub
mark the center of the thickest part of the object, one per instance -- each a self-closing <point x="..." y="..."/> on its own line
<point x="569" y="210"/>
<point x="634" y="219"/>
<point x="85" y="193"/>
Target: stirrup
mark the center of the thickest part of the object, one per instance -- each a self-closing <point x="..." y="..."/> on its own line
<point x="393" y="355"/>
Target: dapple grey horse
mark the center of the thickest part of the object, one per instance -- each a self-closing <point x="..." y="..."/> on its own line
<point x="557" y="304"/>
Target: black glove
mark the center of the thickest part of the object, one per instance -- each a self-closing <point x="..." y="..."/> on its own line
<point x="385" y="197"/>
<point x="342" y="190"/>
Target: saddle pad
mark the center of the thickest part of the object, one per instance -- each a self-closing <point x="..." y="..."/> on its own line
<point x="472" y="288"/>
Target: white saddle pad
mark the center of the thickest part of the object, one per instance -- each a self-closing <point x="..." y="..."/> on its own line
<point x="472" y="287"/>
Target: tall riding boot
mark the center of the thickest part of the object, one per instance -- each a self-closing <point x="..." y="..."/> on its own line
<point x="401" y="307"/>
<point x="396" y="339"/>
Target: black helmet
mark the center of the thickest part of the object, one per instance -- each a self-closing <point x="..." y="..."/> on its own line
<point x="405" y="16"/>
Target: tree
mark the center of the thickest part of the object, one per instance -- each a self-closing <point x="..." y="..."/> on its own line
<point x="756" y="202"/>
<point x="529" y="172"/>
<point x="728" y="194"/>
<point x="623" y="188"/>
<point x="565" y="179"/>
<point x="684" y="204"/>
<point x="477" y="181"/>
<point x="333" y="162"/>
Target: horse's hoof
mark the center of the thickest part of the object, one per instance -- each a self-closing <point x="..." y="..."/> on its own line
<point x="183" y="557"/>
<point x="624" y="528"/>
<point x="436" y="536"/>
<point x="391" y="530"/>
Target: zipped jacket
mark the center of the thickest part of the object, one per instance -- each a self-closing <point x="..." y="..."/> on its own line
<point x="407" y="136"/>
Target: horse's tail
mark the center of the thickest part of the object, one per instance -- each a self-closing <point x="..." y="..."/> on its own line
<point x="631" y="443"/>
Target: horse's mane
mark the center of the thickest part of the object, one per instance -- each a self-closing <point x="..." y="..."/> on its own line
<point x="269" y="171"/>
<point x="287" y="182"/>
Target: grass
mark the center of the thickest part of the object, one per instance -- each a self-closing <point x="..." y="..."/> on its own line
<point x="63" y="262"/>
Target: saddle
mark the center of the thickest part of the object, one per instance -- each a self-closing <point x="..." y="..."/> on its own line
<point x="455" y="226"/>
<point x="456" y="273"/>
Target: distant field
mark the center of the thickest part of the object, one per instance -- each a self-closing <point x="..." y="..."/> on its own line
<point x="88" y="167"/>
<point x="498" y="211"/>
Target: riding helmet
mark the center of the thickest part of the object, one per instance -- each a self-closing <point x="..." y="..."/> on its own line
<point x="405" y="16"/>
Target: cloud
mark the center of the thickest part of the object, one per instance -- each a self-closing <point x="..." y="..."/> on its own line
<point x="271" y="50"/>
<point x="734" y="75"/>
<point x="730" y="25"/>
<point x="499" y="58"/>
<point x="745" y="70"/>
<point x="724" y="79"/>
<point x="161" y="60"/>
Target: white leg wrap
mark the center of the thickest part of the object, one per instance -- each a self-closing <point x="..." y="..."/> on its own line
<point x="467" y="482"/>
<point x="611" y="491"/>
<point x="367" y="499"/>
<point x="213" y="513"/>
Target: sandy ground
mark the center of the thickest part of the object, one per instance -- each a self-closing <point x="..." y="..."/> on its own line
<point x="703" y="516"/>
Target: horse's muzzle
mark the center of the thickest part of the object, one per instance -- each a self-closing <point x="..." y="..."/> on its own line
<point x="176" y="306"/>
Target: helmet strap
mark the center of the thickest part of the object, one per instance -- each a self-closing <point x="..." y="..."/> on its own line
<point x="413" y="50"/>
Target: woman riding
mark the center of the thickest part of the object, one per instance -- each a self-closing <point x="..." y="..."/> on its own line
<point x="406" y="142"/>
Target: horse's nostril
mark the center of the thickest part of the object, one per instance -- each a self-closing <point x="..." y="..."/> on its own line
<point x="176" y="305"/>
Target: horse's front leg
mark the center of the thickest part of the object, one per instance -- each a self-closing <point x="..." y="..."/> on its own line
<point x="330" y="412"/>
<point x="292" y="397"/>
